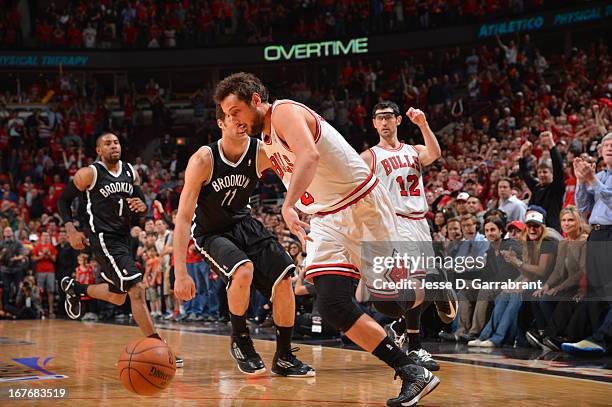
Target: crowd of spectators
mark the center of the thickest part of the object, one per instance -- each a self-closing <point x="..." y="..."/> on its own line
<point x="511" y="160"/>
<point x="169" y="24"/>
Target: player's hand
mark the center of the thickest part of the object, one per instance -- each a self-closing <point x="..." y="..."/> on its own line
<point x="136" y="205"/>
<point x="295" y="225"/>
<point x="77" y="240"/>
<point x="184" y="288"/>
<point x="416" y="116"/>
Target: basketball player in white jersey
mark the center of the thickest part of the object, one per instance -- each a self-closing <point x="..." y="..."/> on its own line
<point x="325" y="177"/>
<point x="399" y="166"/>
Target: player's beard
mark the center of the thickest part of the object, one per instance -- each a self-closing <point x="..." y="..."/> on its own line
<point x="111" y="160"/>
<point x="258" y="125"/>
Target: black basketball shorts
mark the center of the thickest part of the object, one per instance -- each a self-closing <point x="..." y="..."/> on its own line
<point x="117" y="266"/>
<point x="247" y="241"/>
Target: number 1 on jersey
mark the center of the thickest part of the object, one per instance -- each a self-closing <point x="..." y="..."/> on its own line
<point x="120" y="206"/>
<point x="228" y="193"/>
<point x="413" y="183"/>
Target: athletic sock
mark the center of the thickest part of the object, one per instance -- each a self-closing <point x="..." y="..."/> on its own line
<point x="283" y="339"/>
<point x="413" y="325"/>
<point x="389" y="353"/>
<point x="239" y="327"/>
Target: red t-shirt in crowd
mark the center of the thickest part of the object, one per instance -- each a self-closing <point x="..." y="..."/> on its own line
<point x="44" y="265"/>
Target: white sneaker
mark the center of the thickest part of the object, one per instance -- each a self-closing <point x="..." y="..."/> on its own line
<point x="475" y="342"/>
<point x="488" y="344"/>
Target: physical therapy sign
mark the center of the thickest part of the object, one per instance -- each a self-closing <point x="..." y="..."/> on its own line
<point x="316" y="49"/>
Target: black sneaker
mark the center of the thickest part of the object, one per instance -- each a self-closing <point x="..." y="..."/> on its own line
<point x="554" y="343"/>
<point x="289" y="366"/>
<point x="447" y="305"/>
<point x="423" y="358"/>
<point x="465" y="338"/>
<point x="180" y="363"/>
<point x="243" y="351"/>
<point x="536" y="340"/>
<point x="72" y="304"/>
<point x="417" y="382"/>
<point x="394" y="335"/>
<point x="444" y="299"/>
<point x="448" y="337"/>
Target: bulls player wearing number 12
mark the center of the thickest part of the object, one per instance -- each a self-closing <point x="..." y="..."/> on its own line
<point x="219" y="180"/>
<point x="111" y="192"/>
<point x="325" y="177"/>
<point x="399" y="167"/>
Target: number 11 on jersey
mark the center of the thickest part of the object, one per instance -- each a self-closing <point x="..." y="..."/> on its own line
<point x="227" y="194"/>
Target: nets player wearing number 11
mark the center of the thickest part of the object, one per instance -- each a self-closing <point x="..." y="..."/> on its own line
<point x="219" y="181"/>
<point x="111" y="192"/>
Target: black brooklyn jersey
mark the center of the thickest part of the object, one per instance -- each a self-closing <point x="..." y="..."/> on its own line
<point x="106" y="210"/>
<point x="224" y="200"/>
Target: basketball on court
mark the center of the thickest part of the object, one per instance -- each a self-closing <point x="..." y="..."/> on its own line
<point x="146" y="366"/>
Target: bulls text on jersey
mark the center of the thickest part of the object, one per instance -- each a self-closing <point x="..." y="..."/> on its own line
<point x="401" y="161"/>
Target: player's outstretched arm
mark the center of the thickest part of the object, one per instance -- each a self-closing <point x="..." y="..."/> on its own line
<point x="198" y="171"/>
<point x="431" y="151"/>
<point x="291" y="124"/>
<point x="81" y="181"/>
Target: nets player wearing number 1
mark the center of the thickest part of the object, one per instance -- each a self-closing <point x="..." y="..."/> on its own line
<point x="219" y="180"/>
<point x="112" y="195"/>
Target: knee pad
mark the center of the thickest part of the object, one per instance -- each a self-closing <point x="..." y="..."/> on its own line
<point x="335" y="301"/>
<point x="396" y="308"/>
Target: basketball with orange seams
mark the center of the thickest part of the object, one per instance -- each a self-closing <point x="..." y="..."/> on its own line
<point x="146" y="366"/>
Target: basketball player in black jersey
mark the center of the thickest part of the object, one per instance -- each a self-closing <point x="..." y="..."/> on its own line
<point x="219" y="181"/>
<point x="111" y="192"/>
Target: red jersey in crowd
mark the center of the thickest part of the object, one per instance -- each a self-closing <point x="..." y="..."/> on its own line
<point x="85" y="275"/>
<point x="46" y="264"/>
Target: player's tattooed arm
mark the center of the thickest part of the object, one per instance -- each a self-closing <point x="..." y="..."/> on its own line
<point x="198" y="172"/>
<point x="81" y="181"/>
<point x="83" y="178"/>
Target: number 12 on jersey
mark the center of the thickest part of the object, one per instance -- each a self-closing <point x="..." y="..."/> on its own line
<point x="413" y="183"/>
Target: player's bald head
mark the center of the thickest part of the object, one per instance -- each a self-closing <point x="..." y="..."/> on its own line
<point x="103" y="137"/>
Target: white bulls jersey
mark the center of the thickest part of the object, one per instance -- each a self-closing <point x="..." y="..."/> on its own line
<point x="399" y="170"/>
<point x="341" y="178"/>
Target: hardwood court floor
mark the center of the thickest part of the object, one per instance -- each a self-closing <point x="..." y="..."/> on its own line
<point x="87" y="352"/>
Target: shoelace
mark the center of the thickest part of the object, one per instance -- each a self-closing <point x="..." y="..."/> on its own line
<point x="424" y="355"/>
